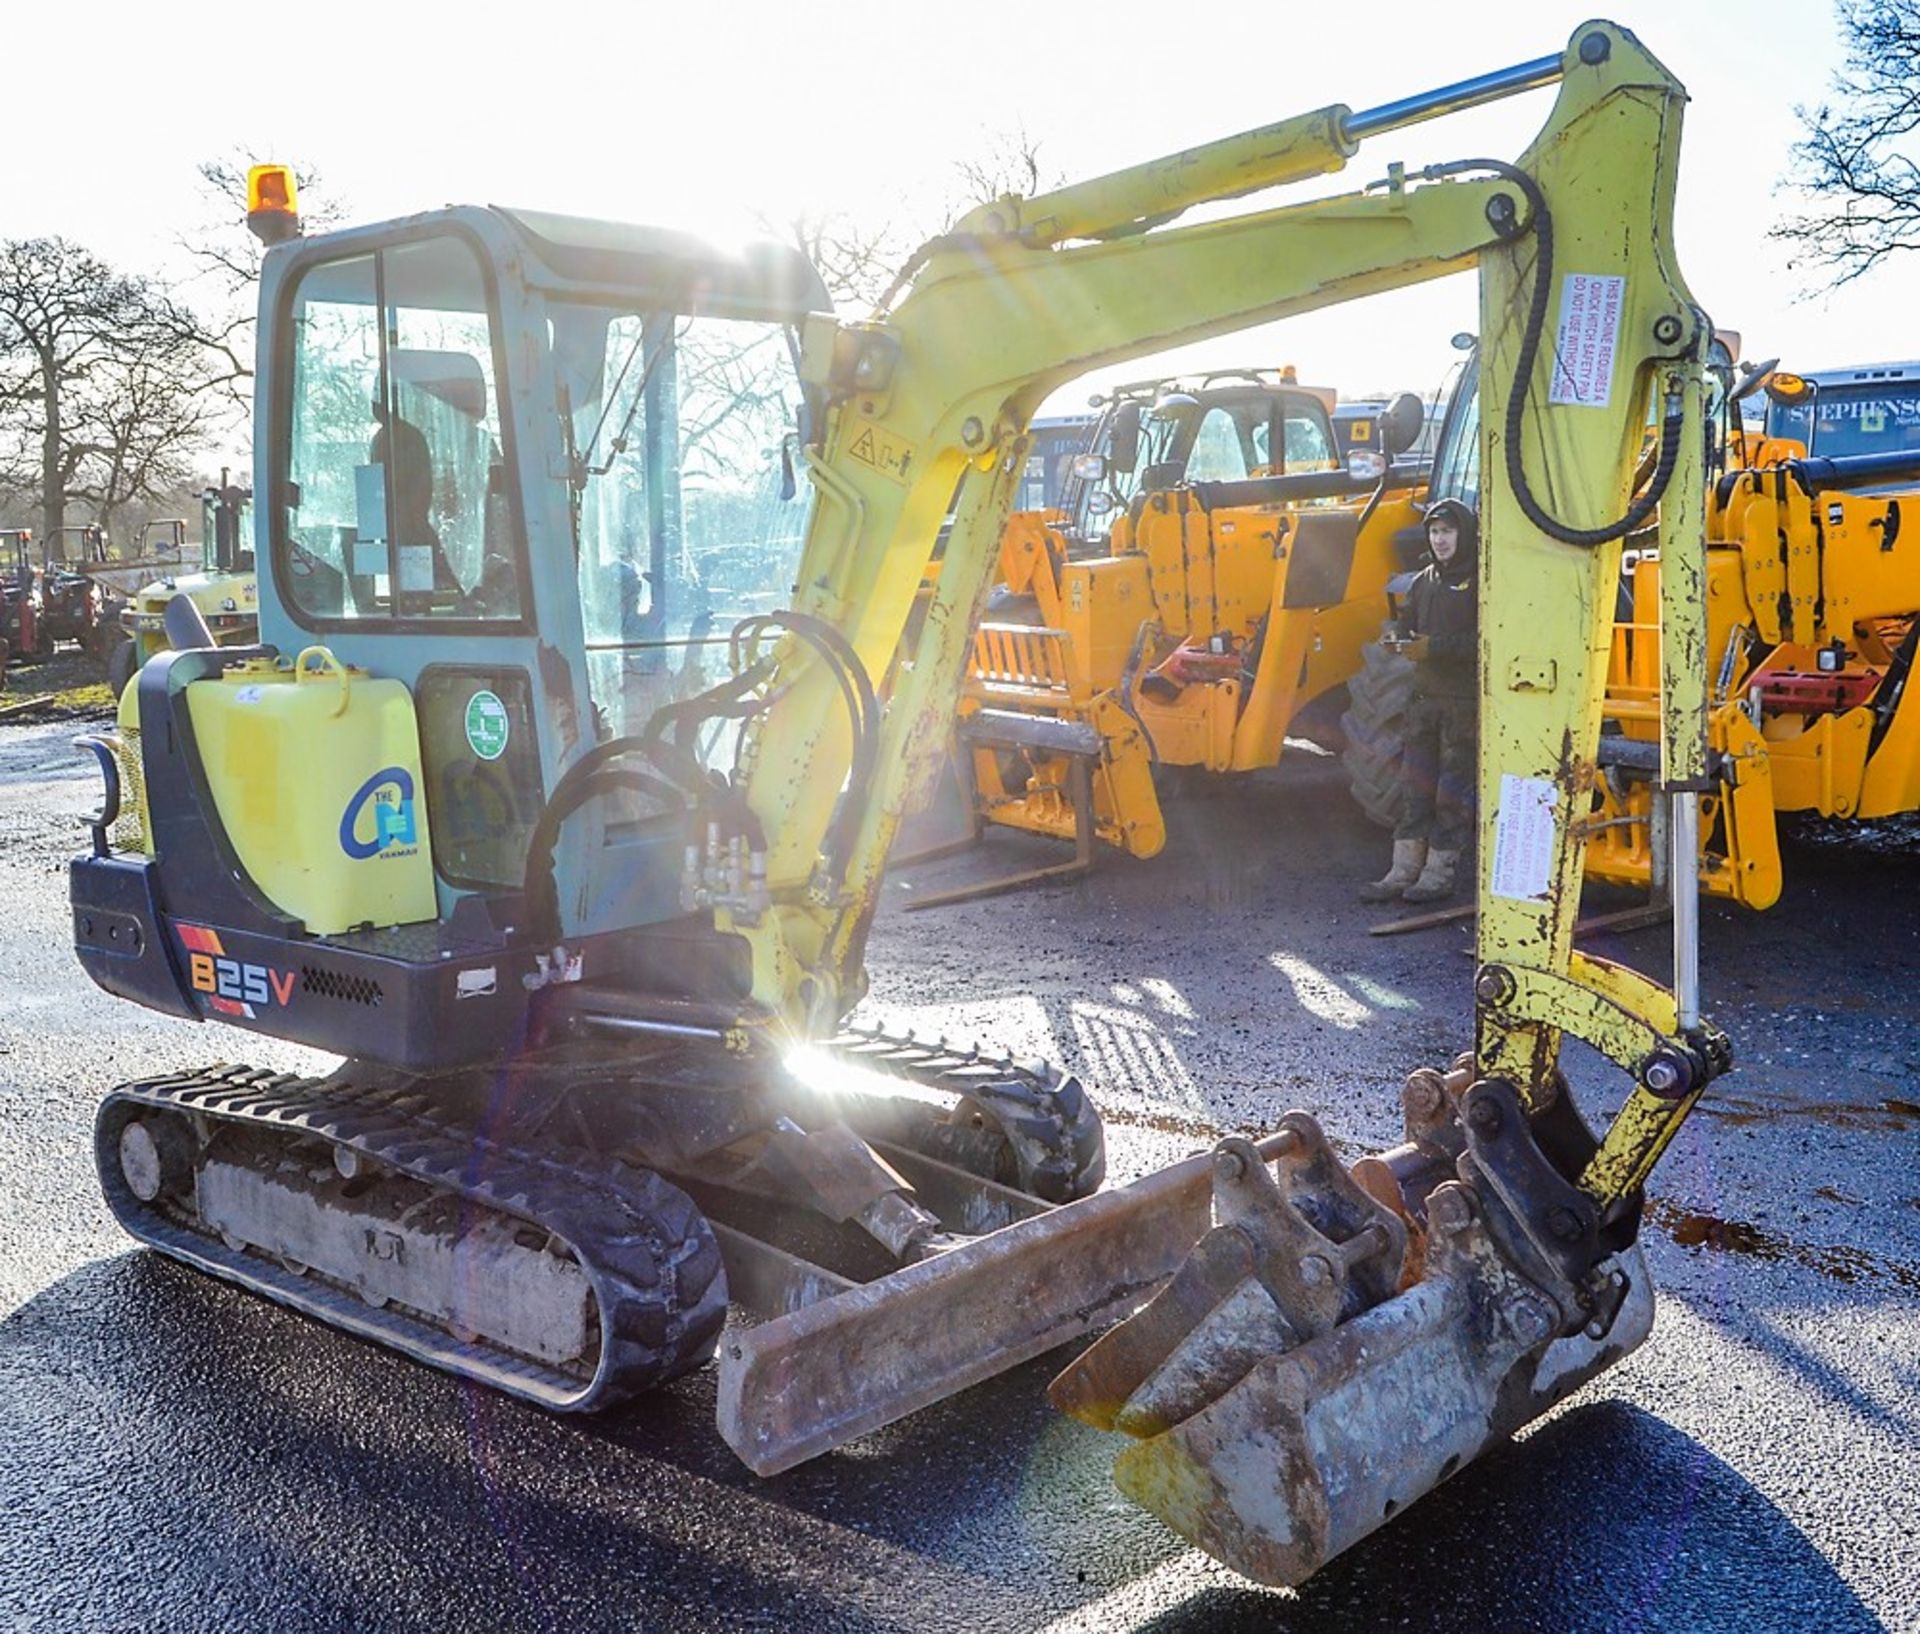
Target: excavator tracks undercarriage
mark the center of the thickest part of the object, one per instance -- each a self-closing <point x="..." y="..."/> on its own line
<point x="527" y="1228"/>
<point x="566" y="1279"/>
<point x="1045" y="1133"/>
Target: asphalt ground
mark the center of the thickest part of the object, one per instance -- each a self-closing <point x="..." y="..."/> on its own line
<point x="175" y="1455"/>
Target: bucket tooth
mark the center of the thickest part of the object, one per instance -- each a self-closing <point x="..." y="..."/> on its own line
<point x="1237" y="1335"/>
<point x="1099" y="1385"/>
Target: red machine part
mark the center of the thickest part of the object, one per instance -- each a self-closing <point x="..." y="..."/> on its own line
<point x="1812" y="692"/>
<point x="1195" y="663"/>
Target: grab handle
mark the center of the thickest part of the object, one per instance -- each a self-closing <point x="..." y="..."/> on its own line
<point x="328" y="665"/>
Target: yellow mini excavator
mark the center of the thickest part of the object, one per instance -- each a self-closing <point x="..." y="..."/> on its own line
<point x="556" y="797"/>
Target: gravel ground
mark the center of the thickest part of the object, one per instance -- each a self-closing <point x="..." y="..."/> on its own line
<point x="177" y="1456"/>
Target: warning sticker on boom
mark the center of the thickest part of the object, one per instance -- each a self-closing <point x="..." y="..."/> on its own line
<point x="1523" y="838"/>
<point x="1589" y="335"/>
<point x="888" y="455"/>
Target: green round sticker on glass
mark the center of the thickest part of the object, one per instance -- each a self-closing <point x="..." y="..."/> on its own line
<point x="486" y="725"/>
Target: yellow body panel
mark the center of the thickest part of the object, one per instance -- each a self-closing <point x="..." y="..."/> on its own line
<point x="1195" y="729"/>
<point x="1103" y="604"/>
<point x="1819" y="767"/>
<point x="229" y="602"/>
<point x="316" y="778"/>
<point x="1794" y="572"/>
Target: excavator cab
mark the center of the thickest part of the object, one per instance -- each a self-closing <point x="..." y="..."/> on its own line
<point x="527" y="471"/>
<point x="536" y="465"/>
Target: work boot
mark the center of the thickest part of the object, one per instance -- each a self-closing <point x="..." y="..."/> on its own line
<point x="1436" y="878"/>
<point x="1408" y="855"/>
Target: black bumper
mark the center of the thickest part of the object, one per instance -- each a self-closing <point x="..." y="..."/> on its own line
<point x="453" y="1009"/>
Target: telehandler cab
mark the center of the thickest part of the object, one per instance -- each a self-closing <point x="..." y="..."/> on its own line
<point x="557" y="798"/>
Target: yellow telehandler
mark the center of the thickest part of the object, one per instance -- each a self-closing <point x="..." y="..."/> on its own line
<point x="546" y="803"/>
<point x="1216" y="571"/>
<point x="1813" y="592"/>
<point x="1813" y="619"/>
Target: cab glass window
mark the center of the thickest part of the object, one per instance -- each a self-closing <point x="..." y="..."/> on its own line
<point x="1793" y="420"/>
<point x="690" y="504"/>
<point x="1154" y="466"/>
<point x="1308" y="437"/>
<point x="1219" y="449"/>
<point x="1456" y="462"/>
<point x="396" y="487"/>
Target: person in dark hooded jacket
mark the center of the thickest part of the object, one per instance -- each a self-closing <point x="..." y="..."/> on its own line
<point x="1439" y="632"/>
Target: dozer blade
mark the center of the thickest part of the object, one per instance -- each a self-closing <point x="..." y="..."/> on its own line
<point x="804" y="1383"/>
<point x="1275" y="1430"/>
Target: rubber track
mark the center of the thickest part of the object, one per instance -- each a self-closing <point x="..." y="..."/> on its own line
<point x="1046" y="1108"/>
<point x="648" y="1254"/>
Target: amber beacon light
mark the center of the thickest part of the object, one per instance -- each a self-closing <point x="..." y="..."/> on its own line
<point x="273" y="203"/>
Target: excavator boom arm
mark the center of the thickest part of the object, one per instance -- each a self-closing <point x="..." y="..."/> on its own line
<point x="1585" y="320"/>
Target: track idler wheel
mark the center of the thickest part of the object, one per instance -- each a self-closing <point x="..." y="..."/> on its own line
<point x="1025" y="1124"/>
<point x="1055" y="1144"/>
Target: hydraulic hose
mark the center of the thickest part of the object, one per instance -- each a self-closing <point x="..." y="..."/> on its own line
<point x="587" y="778"/>
<point x="863" y="711"/>
<point x="663" y="741"/>
<point x="1541" y="221"/>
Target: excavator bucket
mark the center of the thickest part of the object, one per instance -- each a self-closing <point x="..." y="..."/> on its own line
<point x="1304" y="1376"/>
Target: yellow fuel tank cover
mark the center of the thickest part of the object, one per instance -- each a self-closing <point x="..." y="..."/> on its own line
<point x="315" y="772"/>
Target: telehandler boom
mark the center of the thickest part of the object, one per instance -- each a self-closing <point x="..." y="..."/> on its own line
<point x="582" y="884"/>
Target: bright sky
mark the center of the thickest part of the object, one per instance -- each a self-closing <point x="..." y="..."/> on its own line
<point x="695" y="115"/>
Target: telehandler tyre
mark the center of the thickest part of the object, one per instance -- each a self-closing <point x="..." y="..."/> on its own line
<point x="1375" y="727"/>
<point x="122" y="661"/>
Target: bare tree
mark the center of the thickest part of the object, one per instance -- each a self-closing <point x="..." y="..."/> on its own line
<point x="1009" y="163"/>
<point x="1857" y="160"/>
<point x="145" y="421"/>
<point x="854" y="258"/>
<point x="857" y="259"/>
<point x="80" y="346"/>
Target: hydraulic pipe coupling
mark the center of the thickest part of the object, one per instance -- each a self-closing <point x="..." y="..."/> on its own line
<point x="725" y="874"/>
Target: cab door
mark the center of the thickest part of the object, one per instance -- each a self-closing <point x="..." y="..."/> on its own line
<point x="397" y="533"/>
